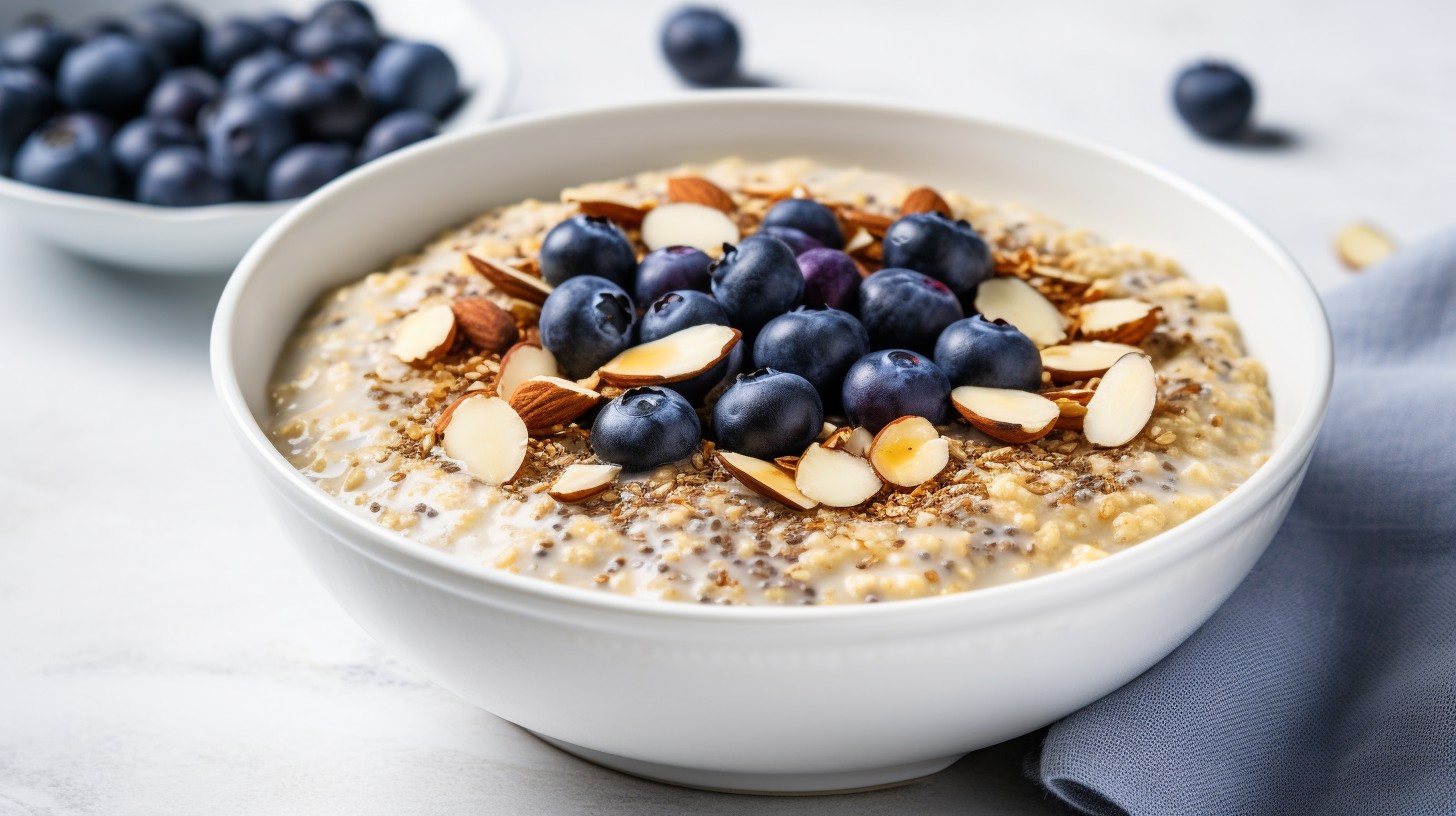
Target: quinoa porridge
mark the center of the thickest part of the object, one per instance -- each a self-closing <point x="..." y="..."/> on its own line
<point x="421" y="396"/>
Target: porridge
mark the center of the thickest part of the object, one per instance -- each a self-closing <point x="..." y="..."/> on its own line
<point x="777" y="383"/>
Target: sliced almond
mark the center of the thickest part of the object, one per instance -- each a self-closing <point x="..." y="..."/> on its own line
<point x="522" y="362"/>
<point x="1020" y="304"/>
<point x="487" y="326"/>
<point x="695" y="225"/>
<point x="1361" y="245"/>
<point x="1006" y="414"/>
<point x="766" y="479"/>
<point x="1123" y="403"/>
<point x="859" y="241"/>
<point x="580" y="482"/>
<point x="835" y="478"/>
<point x="696" y="190"/>
<point x="486" y="435"/>
<point x="547" y="402"/>
<point x="1070" y="414"/>
<point x="1118" y="320"/>
<point x="873" y="223"/>
<point x="512" y="282"/>
<point x="837" y="438"/>
<point x="1081" y="396"/>
<point x="909" y="452"/>
<point x="1082" y="360"/>
<point x="425" y="335"/>
<point x="859" y="441"/>
<point x="679" y="356"/>
<point x="924" y="199"/>
<point x="626" y="216"/>
<point x="788" y="463"/>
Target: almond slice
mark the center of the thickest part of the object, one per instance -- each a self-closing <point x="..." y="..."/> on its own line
<point x="1123" y="403"/>
<point x="545" y="402"/>
<point x="624" y="215"/>
<point x="696" y="190"/>
<point x="1361" y="245"/>
<point x="924" y="199"/>
<point x="522" y="362"/>
<point x="487" y="326"/>
<point x="1118" y="320"/>
<point x="873" y="223"/>
<point x="766" y="479"/>
<point x="486" y="435"/>
<point x="679" y="356"/>
<point x="580" y="482"/>
<point x="859" y="441"/>
<point x="835" y="478"/>
<point x="1006" y="414"/>
<point x="512" y="282"/>
<point x="1020" y="304"/>
<point x="837" y="438"/>
<point x="695" y="225"/>
<point x="425" y="335"/>
<point x="909" y="452"/>
<point x="790" y="464"/>
<point x="1082" y="360"/>
<point x="1070" y="414"/>
<point x="859" y="241"/>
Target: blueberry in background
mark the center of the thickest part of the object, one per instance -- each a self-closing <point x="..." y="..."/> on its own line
<point x="885" y="385"/>
<point x="252" y="72"/>
<point x="645" y="428"/>
<point x="675" y="311"/>
<point x="768" y="414"/>
<point x="171" y="31"/>
<point x="229" y="41"/>
<point x="831" y="278"/>
<point x="181" y="93"/>
<point x="808" y="216"/>
<point x="136" y="141"/>
<point x="586" y="321"/>
<point x="306" y="167"/>
<point x="901" y="308"/>
<point x="26" y="102"/>
<point x="584" y="245"/>
<point x="669" y="269"/>
<point x="413" y="75"/>
<point x="701" y="45"/>
<point x="798" y="240"/>
<point x="817" y="344"/>
<point x="340" y="11"/>
<point x="180" y="176"/>
<point x="110" y="75"/>
<point x="949" y="251"/>
<point x="326" y="98"/>
<point x="1214" y="98"/>
<point x="977" y="351"/>
<point x="757" y="281"/>
<point x="244" y="137"/>
<point x="93" y="28"/>
<point x="70" y="153"/>
<point x="35" y="43"/>
<point x="278" y="27"/>
<point x="396" y="130"/>
<point x="348" y="38"/>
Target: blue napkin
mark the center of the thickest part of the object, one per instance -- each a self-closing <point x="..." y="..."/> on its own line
<point x="1327" y="683"/>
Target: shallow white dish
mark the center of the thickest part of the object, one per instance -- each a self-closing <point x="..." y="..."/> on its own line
<point x="774" y="699"/>
<point x="210" y="240"/>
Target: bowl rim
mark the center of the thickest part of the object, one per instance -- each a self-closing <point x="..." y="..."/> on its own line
<point x="1285" y="464"/>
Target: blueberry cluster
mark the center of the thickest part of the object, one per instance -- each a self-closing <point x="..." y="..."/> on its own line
<point x="165" y="109"/>
<point x="819" y="339"/>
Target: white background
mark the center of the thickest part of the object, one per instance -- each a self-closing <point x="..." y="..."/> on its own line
<point x="161" y="649"/>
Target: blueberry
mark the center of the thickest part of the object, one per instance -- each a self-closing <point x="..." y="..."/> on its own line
<point x="181" y="93"/>
<point x="35" y="43"/>
<point x="413" y="76"/>
<point x="252" y="72"/>
<point x="583" y="245"/>
<point x="244" y="137"/>
<point x="977" y="351"/>
<point x="1214" y="98"/>
<point x="831" y="278"/>
<point x="671" y="268"/>
<point x="180" y="176"/>
<point x="398" y="129"/>
<point x="170" y="31"/>
<point x="798" y="240"/>
<point x="95" y="27"/>
<point x="817" y="344"/>
<point x="70" y="153"/>
<point x="110" y="75"/>
<point x="278" y="27"/>
<point x="808" y="216"/>
<point x="26" y="102"/>
<point x="138" y="139"/>
<point x="757" y="281"/>
<point x="306" y="167"/>
<point x="701" y="45"/>
<point x="768" y="414"/>
<point x="645" y="428"/>
<point x="326" y="98"/>
<point x="585" y="322"/>
<point x="675" y="311"/>
<point x="337" y="11"/>
<point x="905" y="309"/>
<point x="350" y="38"/>
<point x="229" y="41"/>
<point x="885" y="385"/>
<point x="949" y="251"/>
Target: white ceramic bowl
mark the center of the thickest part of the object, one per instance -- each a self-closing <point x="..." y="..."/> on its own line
<point x="210" y="240"/>
<point x="774" y="699"/>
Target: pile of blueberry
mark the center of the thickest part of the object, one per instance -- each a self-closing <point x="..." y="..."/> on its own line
<point x="162" y="108"/>
<point x="819" y="340"/>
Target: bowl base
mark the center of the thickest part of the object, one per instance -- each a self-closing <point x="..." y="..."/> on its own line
<point x="765" y="784"/>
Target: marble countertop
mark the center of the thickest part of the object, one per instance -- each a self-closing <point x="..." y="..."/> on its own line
<point x="163" y="651"/>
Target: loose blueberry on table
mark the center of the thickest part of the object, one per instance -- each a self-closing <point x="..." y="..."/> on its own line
<point x="1215" y="99"/>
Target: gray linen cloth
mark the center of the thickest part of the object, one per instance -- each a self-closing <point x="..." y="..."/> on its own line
<point x="1327" y="683"/>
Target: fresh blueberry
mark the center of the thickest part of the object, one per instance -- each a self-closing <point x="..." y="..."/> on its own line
<point x="180" y="176"/>
<point x="26" y="102"/>
<point x="326" y="98"/>
<point x="181" y="93"/>
<point x="701" y="45"/>
<point x="977" y="351"/>
<point x="949" y="251"/>
<point x="336" y="11"/>
<point x="136" y="141"/>
<point x="583" y="245"/>
<point x="1214" y="98"/>
<point x="585" y="322"/>
<point x="768" y="414"/>
<point x="35" y="43"/>
<point x="885" y="385"/>
<point x="831" y="278"/>
<point x="95" y="27"/>
<point x="252" y="72"/>
<point x="70" y="153"/>
<point x="671" y="268"/>
<point x="229" y="41"/>
<point x="110" y="75"/>
<point x="279" y="27"/>
<point x="244" y="137"/>
<point x="798" y="240"/>
<point x="817" y="344"/>
<point x="306" y="167"/>
<point x="675" y="311"/>
<point x="808" y="216"/>
<point x="350" y="38"/>
<point x="905" y="309"/>
<point x="171" y="31"/>
<point x="757" y="281"/>
<point x="398" y="129"/>
<point x="414" y="76"/>
<point x="645" y="428"/>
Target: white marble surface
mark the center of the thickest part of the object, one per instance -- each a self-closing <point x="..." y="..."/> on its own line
<point x="161" y="651"/>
